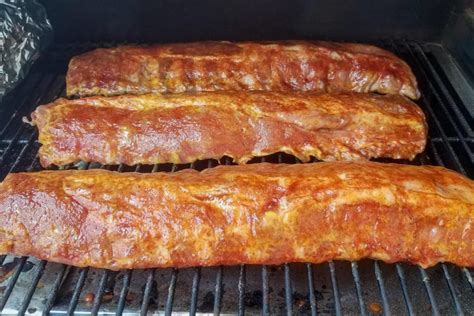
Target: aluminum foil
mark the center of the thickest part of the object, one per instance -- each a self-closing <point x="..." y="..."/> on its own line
<point x="24" y="32"/>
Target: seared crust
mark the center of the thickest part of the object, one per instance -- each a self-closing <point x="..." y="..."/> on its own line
<point x="268" y="66"/>
<point x="253" y="214"/>
<point x="182" y="128"/>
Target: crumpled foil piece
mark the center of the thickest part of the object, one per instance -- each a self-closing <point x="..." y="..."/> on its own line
<point x="24" y="32"/>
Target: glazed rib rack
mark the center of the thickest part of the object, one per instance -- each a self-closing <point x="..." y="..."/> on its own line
<point x="29" y="286"/>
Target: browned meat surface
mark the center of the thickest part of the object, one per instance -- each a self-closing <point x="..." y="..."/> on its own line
<point x="253" y="214"/>
<point x="212" y="66"/>
<point x="181" y="128"/>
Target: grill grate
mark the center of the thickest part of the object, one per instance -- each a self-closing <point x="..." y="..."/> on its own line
<point x="31" y="286"/>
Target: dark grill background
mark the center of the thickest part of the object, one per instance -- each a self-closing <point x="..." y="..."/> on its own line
<point x="32" y="286"/>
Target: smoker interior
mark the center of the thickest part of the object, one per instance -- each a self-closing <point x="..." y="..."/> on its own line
<point x="367" y="287"/>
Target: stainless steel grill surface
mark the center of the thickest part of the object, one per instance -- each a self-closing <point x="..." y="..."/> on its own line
<point x="29" y="286"/>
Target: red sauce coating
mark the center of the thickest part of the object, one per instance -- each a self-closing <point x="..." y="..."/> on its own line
<point x="250" y="214"/>
<point x="182" y="128"/>
<point x="268" y="66"/>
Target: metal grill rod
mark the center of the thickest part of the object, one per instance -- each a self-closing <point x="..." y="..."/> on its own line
<point x="23" y="102"/>
<point x="171" y="290"/>
<point x="218" y="291"/>
<point x="100" y="293"/>
<point x="312" y="297"/>
<point x="381" y="283"/>
<point x="445" y="93"/>
<point x="468" y="275"/>
<point x="32" y="287"/>
<point x="335" y="290"/>
<point x="265" y="294"/>
<point x="147" y="291"/>
<point x="15" y="97"/>
<point x="360" y="299"/>
<point x="12" y="282"/>
<point x="436" y="121"/>
<point x="63" y="273"/>
<point x="288" y="291"/>
<point x="35" y="98"/>
<point x="452" y="290"/>
<point x="128" y="273"/>
<point x="19" y="268"/>
<point x="426" y="280"/>
<point x="241" y="287"/>
<point x="124" y="292"/>
<point x="447" y="276"/>
<point x="403" y="284"/>
<point x="440" y="162"/>
<point x="77" y="291"/>
<point x="195" y="291"/>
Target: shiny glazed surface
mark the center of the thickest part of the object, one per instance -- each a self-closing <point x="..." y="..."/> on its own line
<point x="182" y="128"/>
<point x="254" y="214"/>
<point x="212" y="66"/>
